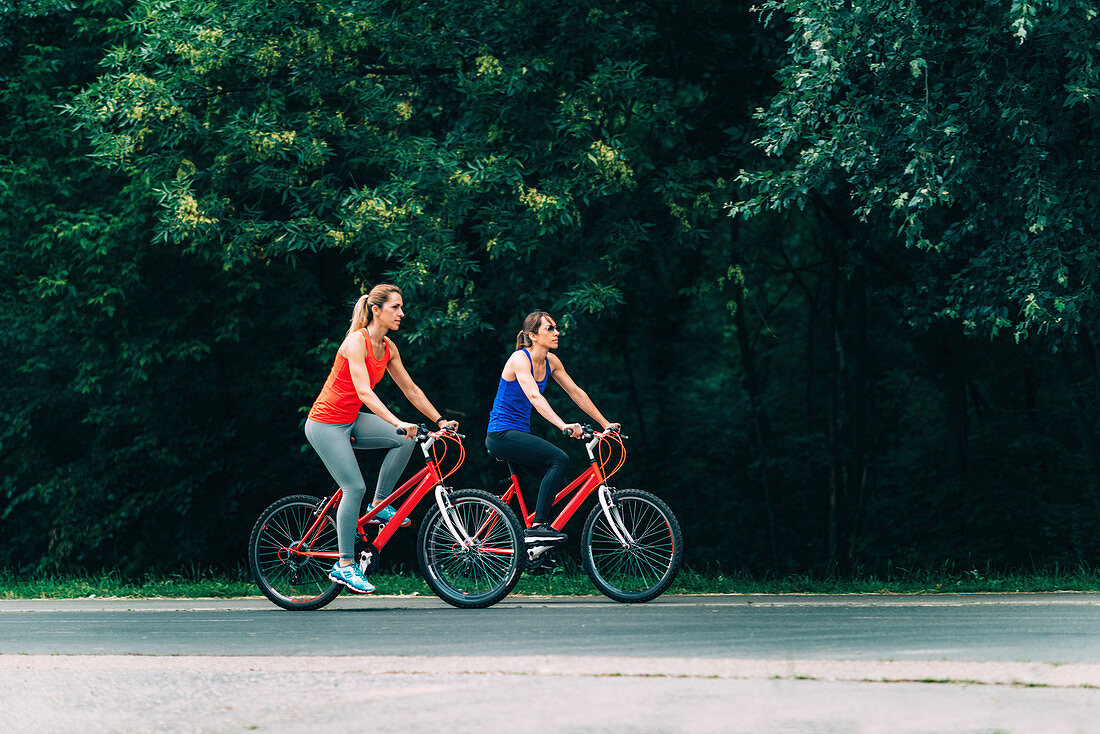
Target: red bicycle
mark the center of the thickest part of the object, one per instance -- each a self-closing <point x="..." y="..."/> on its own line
<point x="631" y="545"/>
<point x="293" y="543"/>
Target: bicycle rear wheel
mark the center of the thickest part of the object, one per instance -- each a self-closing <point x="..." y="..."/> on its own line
<point x="479" y="575"/>
<point x="647" y="565"/>
<point x="291" y="579"/>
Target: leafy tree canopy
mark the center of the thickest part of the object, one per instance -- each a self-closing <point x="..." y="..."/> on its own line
<point x="968" y="129"/>
<point x="431" y="141"/>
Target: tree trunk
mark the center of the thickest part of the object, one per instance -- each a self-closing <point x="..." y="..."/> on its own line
<point x="836" y="365"/>
<point x="857" y="411"/>
<point x="1086" y="430"/>
<point x="632" y="390"/>
<point x="952" y="349"/>
<point x="760" y="418"/>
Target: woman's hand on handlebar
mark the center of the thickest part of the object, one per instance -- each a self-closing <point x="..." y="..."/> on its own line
<point x="409" y="429"/>
<point x="448" y="425"/>
<point x="573" y="430"/>
<point x="577" y="430"/>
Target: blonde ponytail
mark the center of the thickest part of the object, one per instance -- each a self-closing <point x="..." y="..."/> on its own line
<point x="362" y="315"/>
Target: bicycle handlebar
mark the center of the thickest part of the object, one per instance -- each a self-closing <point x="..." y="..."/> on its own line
<point x="422" y="433"/>
<point x="588" y="431"/>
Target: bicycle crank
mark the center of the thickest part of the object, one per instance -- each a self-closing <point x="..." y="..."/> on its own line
<point x="367" y="555"/>
<point x="540" y="562"/>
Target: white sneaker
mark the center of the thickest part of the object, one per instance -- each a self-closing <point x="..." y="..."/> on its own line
<point x="351" y="577"/>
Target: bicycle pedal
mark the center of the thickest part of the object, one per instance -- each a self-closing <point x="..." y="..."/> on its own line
<point x="382" y="526"/>
<point x="541" y="563"/>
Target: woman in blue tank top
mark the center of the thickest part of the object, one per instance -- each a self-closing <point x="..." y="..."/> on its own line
<point x="509" y="433"/>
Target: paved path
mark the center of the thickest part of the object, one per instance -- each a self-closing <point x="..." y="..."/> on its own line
<point x="1051" y="628"/>
<point x="745" y="663"/>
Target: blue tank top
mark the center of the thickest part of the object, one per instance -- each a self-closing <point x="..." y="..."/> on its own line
<point x="511" y="408"/>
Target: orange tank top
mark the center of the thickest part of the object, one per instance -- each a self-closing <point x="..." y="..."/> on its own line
<point x="338" y="402"/>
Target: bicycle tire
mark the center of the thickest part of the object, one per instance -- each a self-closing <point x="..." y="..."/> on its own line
<point x="646" y="568"/>
<point x="472" y="578"/>
<point x="298" y="583"/>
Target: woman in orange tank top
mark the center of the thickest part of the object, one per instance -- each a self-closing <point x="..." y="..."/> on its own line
<point x="365" y="355"/>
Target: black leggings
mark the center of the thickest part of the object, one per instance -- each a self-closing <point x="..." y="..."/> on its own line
<point x="538" y="457"/>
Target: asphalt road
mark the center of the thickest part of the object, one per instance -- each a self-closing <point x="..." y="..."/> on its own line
<point x="1052" y="628"/>
<point x="740" y="664"/>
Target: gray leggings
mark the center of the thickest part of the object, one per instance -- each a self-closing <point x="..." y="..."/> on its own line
<point x="333" y="444"/>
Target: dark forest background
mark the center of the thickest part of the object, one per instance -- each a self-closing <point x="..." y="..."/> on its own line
<point x="832" y="265"/>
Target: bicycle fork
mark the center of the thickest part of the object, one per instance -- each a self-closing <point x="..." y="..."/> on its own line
<point x="614" y="519"/>
<point x="454" y="524"/>
<point x="610" y="509"/>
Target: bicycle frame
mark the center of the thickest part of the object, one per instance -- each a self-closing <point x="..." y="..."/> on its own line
<point x="416" y="487"/>
<point x="583" y="486"/>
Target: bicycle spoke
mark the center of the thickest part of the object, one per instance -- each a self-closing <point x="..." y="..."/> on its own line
<point x="292" y="578"/>
<point x="644" y="563"/>
<point x="484" y="566"/>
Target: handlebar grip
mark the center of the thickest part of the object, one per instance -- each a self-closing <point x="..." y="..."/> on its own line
<point x="567" y="431"/>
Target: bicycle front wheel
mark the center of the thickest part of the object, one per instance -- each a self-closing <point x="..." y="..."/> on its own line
<point x="287" y="573"/>
<point x="474" y="575"/>
<point x="647" y="563"/>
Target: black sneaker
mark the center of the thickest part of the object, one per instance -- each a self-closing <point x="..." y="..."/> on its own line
<point x="543" y="534"/>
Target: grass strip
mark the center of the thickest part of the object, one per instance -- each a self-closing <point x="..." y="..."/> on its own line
<point x="565" y="582"/>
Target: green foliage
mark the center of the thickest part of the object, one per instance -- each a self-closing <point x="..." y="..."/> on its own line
<point x="443" y="145"/>
<point x="120" y="358"/>
<point x="922" y="165"/>
<point x="261" y="163"/>
<point x="967" y="129"/>
<point x="192" y="195"/>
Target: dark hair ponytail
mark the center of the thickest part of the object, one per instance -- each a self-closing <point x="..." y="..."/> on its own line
<point x="530" y="324"/>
